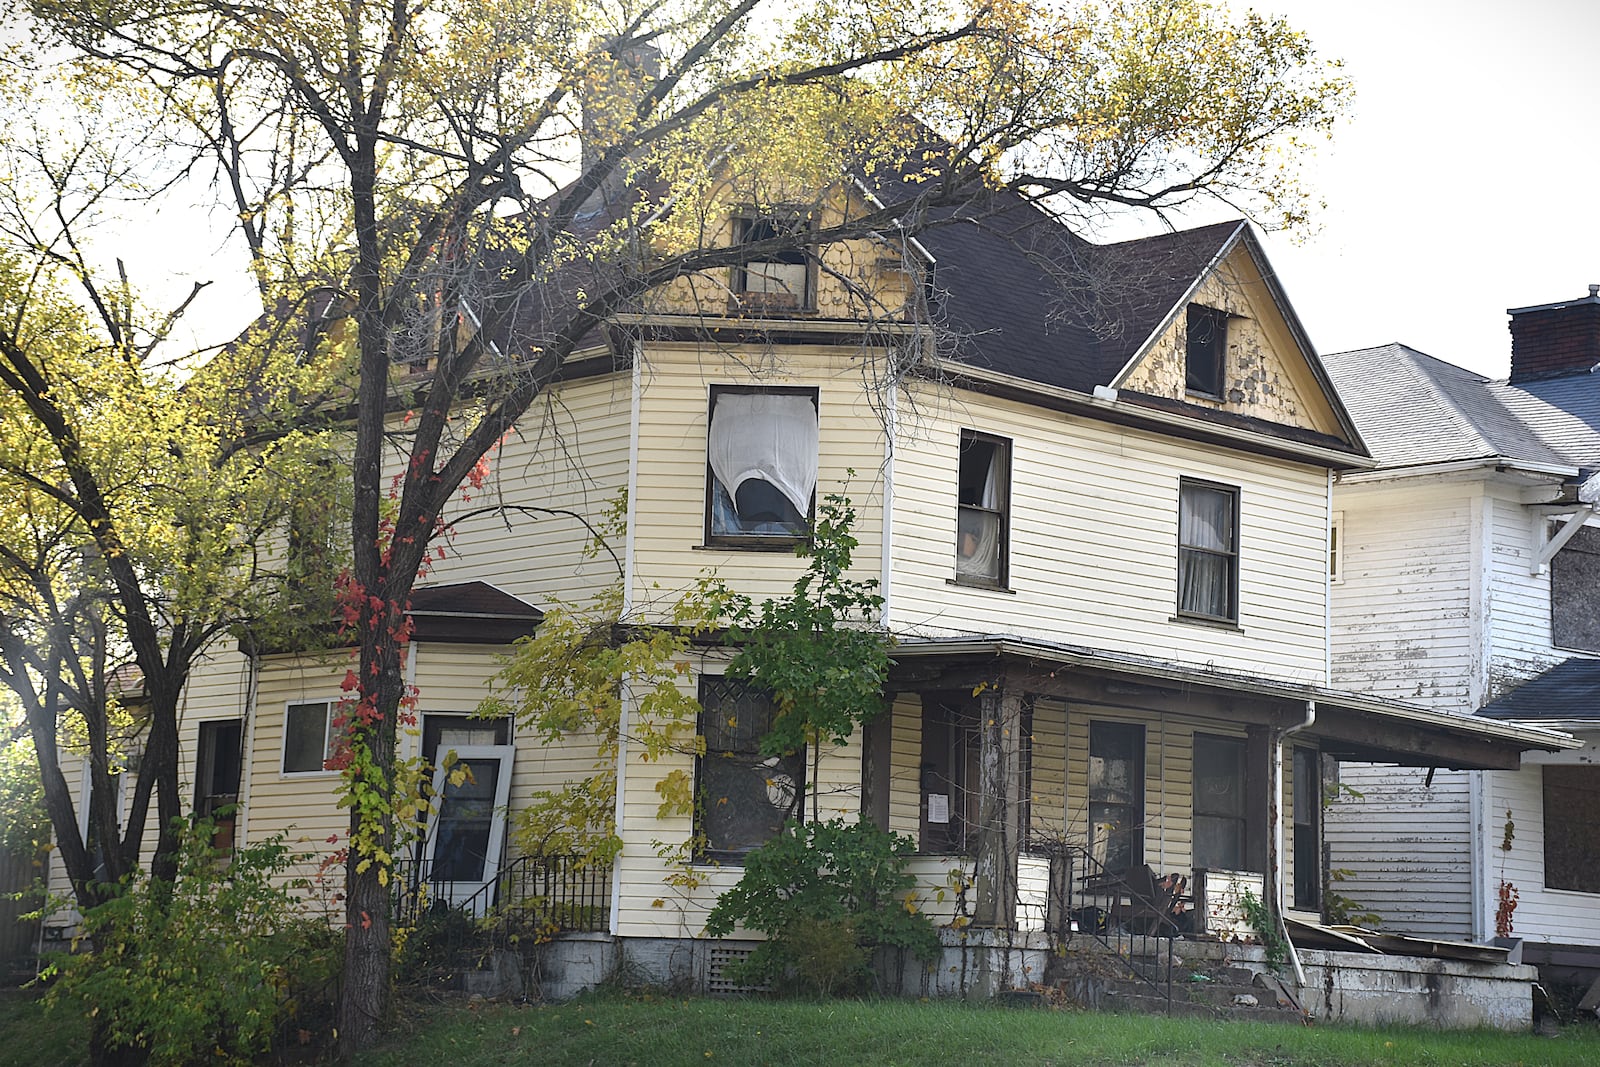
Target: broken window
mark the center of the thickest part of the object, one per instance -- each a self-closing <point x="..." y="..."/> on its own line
<point x="761" y="470"/>
<point x="1574" y="609"/>
<point x="217" y="765"/>
<point x="1208" y="551"/>
<point x="781" y="279"/>
<point x="1207" y="342"/>
<point x="744" y="796"/>
<point x="308" y="737"/>
<point x="1219" y="808"/>
<point x="1116" y="794"/>
<point x="983" y="491"/>
<point x="1572" y="828"/>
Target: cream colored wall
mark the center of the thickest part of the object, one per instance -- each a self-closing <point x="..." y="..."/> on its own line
<point x="566" y="461"/>
<point x="1094" y="529"/>
<point x="1265" y="375"/>
<point x="669" y="498"/>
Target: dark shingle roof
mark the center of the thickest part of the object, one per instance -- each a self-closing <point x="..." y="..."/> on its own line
<point x="1024" y="296"/>
<point x="1413" y="409"/>
<point x="1569" y="690"/>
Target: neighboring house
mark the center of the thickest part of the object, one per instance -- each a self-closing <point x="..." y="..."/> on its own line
<point x="1466" y="572"/>
<point x="1101" y="528"/>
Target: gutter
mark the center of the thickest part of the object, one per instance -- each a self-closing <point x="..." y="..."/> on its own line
<point x="1496" y="463"/>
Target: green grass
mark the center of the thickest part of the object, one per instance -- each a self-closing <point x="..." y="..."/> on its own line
<point x="651" y="1030"/>
<point x="666" y="1031"/>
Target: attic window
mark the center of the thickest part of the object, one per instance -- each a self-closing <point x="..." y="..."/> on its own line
<point x="782" y="278"/>
<point x="761" y="476"/>
<point x="1207" y="345"/>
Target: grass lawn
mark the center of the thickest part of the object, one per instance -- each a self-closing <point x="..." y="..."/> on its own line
<point x="615" y="1031"/>
<point x="645" y="1030"/>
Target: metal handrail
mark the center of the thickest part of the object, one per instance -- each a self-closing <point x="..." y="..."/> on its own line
<point x="1094" y="901"/>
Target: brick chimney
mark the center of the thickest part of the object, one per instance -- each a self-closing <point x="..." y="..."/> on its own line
<point x="1554" y="340"/>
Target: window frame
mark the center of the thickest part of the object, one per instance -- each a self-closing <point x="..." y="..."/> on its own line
<point x="794" y="764"/>
<point x="1231" y="556"/>
<point x="1240" y="822"/>
<point x="1336" y="548"/>
<point x="1205" y="334"/>
<point x="766" y="301"/>
<point x="755" y="541"/>
<point x="1001" y="513"/>
<point x="1103" y="729"/>
<point x="330" y="711"/>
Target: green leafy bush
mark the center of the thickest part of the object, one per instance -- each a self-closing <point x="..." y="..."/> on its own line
<point x="203" y="969"/>
<point x="826" y="894"/>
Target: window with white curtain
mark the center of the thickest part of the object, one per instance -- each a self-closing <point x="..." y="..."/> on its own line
<point x="761" y="471"/>
<point x="983" y="489"/>
<point x="1208" y="551"/>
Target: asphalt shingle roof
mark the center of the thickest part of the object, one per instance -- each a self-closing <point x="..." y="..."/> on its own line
<point x="1569" y="690"/>
<point x="1413" y="409"/>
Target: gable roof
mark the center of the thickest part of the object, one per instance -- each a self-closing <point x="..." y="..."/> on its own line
<point x="1570" y="690"/>
<point x="1414" y="409"/>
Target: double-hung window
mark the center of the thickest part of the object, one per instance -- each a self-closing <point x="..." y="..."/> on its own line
<point x="983" y="490"/>
<point x="744" y="797"/>
<point x="308" y="737"/>
<point x="761" y="470"/>
<point x="1208" y="551"/>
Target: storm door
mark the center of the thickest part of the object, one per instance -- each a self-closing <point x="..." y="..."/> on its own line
<point x="467" y="829"/>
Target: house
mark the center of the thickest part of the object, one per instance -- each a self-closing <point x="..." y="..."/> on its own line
<point x="1100" y="516"/>
<point x="1466" y="568"/>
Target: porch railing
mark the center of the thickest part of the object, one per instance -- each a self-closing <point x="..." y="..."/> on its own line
<point x="544" y="894"/>
<point x="1087" y="900"/>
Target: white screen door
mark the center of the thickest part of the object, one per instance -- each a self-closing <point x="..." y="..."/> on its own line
<point x="468" y="827"/>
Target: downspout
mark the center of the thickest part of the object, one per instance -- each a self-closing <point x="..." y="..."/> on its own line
<point x="1275" y="860"/>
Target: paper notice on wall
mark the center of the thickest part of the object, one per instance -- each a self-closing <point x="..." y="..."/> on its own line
<point x="938" y="807"/>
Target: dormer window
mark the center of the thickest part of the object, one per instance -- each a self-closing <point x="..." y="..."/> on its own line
<point x="781" y="279"/>
<point x="1207" y="346"/>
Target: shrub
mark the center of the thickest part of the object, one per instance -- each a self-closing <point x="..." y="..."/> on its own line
<point x="205" y="968"/>
<point x="826" y="894"/>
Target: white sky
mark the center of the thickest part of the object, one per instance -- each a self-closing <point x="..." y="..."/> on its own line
<point x="1464" y="182"/>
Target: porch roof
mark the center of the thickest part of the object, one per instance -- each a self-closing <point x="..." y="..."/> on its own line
<point x="1347" y="725"/>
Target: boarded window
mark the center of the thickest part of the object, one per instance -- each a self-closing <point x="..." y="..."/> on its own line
<point x="1574" y="577"/>
<point x="1572" y="828"/>
<point x="1116" y="794"/>
<point x="1219" y="809"/>
<point x="782" y="278"/>
<point x="744" y="796"/>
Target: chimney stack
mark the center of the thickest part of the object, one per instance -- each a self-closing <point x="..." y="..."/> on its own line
<point x="1555" y="340"/>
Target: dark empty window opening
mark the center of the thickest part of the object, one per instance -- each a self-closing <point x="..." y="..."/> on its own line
<point x="1574" y="577"/>
<point x="1572" y="828"/>
<point x="744" y="796"/>
<point x="761" y="466"/>
<point x="1308" y="829"/>
<point x="1206" y="348"/>
<point x="1116" y="794"/>
<point x="983" y="491"/>
<point x="217" y="765"/>
<point x="782" y="278"/>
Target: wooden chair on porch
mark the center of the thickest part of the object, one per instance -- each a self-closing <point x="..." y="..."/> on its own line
<point x="1146" y="904"/>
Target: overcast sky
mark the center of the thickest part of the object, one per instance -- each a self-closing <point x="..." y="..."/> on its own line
<point x="1463" y="184"/>
<point x="1467" y="180"/>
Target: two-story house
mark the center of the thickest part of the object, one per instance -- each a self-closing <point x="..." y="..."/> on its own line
<point x="1466" y="570"/>
<point x="1094" y="483"/>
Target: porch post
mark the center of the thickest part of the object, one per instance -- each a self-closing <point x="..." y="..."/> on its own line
<point x="999" y="808"/>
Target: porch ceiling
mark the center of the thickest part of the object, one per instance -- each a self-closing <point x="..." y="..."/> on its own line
<point x="1348" y="725"/>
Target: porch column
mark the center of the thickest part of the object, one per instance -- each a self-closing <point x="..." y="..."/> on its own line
<point x="999" y="808"/>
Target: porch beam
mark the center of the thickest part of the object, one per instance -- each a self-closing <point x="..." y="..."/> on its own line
<point x="1355" y="736"/>
<point x="999" y="808"/>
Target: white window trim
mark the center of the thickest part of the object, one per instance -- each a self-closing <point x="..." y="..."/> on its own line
<point x="332" y="706"/>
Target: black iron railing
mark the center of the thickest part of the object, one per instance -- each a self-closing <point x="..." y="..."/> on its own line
<point x="544" y="893"/>
<point x="1128" y="913"/>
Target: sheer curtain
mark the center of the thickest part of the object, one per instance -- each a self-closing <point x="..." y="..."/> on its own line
<point x="978" y="531"/>
<point x="1205" y="563"/>
<point x="770" y="436"/>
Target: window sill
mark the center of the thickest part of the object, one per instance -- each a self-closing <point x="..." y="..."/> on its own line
<point x="1214" y="624"/>
<point x="979" y="584"/>
<point x="1200" y="394"/>
<point x="308" y="774"/>
<point x="761" y="546"/>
